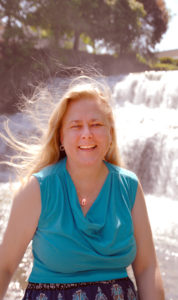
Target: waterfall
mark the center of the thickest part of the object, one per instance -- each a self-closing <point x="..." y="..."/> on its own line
<point x="146" y="112"/>
<point x="153" y="89"/>
<point x="147" y="126"/>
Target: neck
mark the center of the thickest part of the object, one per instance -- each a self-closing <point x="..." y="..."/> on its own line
<point x="86" y="177"/>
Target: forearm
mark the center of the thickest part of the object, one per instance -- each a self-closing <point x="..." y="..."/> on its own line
<point x="6" y="271"/>
<point x="5" y="278"/>
<point x="149" y="284"/>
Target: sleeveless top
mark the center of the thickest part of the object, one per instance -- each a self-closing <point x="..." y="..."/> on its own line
<point x="69" y="247"/>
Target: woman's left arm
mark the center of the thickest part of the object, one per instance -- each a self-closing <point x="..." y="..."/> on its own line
<point x="145" y="265"/>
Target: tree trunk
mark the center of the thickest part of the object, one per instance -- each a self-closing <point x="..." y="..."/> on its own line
<point x="76" y="41"/>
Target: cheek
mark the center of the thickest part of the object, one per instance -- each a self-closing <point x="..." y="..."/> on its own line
<point x="69" y="137"/>
<point x="105" y="137"/>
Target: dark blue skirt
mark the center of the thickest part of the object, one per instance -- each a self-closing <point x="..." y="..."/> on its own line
<point x="117" y="289"/>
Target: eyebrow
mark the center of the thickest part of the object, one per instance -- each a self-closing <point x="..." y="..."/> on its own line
<point x="75" y="121"/>
<point x="78" y="121"/>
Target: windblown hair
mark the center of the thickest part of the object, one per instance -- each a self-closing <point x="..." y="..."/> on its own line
<point x="46" y="110"/>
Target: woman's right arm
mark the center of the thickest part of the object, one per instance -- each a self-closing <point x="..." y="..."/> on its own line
<point x="22" y="224"/>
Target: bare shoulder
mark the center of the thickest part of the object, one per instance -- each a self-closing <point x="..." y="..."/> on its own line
<point x="140" y="216"/>
<point x="140" y="204"/>
<point x="26" y="206"/>
<point x="31" y="186"/>
<point x="28" y="195"/>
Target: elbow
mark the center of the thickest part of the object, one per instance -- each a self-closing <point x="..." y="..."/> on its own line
<point x="7" y="268"/>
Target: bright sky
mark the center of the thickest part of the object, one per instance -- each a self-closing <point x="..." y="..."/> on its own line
<point x="170" y="38"/>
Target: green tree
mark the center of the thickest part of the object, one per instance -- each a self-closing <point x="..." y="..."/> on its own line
<point x="50" y="16"/>
<point x="154" y="23"/>
<point x="17" y="40"/>
<point x="116" y="23"/>
<point x="122" y="25"/>
<point x="10" y="12"/>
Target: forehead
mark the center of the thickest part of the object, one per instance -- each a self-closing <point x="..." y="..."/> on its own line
<point x="83" y="108"/>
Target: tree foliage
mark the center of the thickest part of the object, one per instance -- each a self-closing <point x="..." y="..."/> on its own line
<point x="11" y="11"/>
<point x="156" y="17"/>
<point x="121" y="25"/>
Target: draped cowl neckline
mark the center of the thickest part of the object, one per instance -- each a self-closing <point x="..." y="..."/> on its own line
<point x="70" y="247"/>
<point x="95" y="217"/>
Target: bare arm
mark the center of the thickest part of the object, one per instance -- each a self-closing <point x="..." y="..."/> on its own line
<point x="145" y="266"/>
<point x="21" y="227"/>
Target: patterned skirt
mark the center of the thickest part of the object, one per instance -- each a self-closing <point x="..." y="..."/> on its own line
<point x="116" y="289"/>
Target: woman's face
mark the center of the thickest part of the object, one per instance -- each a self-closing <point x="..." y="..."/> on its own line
<point x="85" y="133"/>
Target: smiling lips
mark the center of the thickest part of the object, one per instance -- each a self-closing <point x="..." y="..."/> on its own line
<point x="89" y="147"/>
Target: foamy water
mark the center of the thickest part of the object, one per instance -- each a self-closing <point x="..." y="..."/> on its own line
<point x="145" y="107"/>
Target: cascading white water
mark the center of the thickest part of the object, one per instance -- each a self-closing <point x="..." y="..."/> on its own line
<point x="145" y="107"/>
<point x="147" y="120"/>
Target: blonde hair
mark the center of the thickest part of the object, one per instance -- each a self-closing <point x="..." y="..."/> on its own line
<point x="44" y="146"/>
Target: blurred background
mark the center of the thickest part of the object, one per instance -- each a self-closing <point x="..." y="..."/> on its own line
<point x="116" y="36"/>
<point x="133" y="43"/>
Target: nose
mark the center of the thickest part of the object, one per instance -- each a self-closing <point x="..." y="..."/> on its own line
<point x="86" y="132"/>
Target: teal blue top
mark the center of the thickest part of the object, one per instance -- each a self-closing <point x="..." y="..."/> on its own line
<point x="70" y="247"/>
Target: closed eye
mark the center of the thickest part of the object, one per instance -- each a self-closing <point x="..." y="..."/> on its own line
<point x="96" y="124"/>
<point x="76" y="126"/>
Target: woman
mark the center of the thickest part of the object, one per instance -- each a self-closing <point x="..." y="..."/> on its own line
<point x="85" y="213"/>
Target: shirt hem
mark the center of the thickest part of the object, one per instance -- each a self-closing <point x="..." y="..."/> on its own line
<point x="57" y="279"/>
